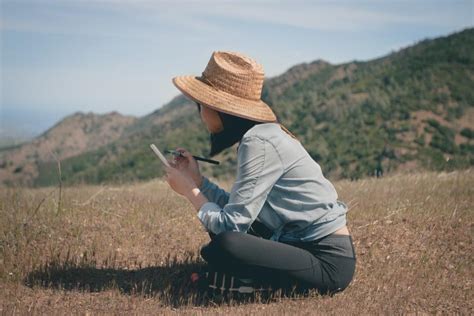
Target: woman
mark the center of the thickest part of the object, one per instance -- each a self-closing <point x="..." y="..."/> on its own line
<point x="281" y="225"/>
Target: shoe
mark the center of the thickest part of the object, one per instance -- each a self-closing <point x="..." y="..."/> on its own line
<point x="219" y="282"/>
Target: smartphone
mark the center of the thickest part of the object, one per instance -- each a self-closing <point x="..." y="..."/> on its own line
<point x="159" y="154"/>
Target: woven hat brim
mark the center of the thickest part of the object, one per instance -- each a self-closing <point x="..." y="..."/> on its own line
<point x="222" y="101"/>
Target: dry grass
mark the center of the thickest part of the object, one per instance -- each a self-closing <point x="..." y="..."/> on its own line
<point x="132" y="249"/>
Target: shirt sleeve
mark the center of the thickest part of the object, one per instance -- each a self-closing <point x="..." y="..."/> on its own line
<point x="259" y="167"/>
<point x="213" y="193"/>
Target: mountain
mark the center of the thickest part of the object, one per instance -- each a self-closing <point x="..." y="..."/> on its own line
<point x="407" y="110"/>
<point x="70" y="137"/>
<point x="411" y="109"/>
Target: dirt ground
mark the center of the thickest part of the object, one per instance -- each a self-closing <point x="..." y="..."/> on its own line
<point x="131" y="249"/>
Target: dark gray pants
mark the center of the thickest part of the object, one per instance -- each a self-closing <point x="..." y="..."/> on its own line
<point x="327" y="264"/>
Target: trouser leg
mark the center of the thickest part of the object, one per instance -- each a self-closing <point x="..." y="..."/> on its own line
<point x="257" y="229"/>
<point x="274" y="263"/>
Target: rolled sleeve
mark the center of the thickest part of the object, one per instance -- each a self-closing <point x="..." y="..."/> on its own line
<point x="259" y="167"/>
<point x="213" y="193"/>
<point x="205" y="213"/>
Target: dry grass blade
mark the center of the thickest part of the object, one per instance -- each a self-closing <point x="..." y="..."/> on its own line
<point x="132" y="249"/>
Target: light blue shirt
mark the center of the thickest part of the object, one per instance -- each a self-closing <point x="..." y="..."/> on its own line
<point x="277" y="184"/>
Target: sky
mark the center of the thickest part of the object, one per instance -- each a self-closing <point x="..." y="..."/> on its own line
<point x="60" y="57"/>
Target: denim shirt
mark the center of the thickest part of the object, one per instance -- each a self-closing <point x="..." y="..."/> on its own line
<point x="277" y="184"/>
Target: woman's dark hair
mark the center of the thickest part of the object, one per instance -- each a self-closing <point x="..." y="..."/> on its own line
<point x="234" y="128"/>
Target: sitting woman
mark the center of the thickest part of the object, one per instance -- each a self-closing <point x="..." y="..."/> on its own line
<point x="282" y="224"/>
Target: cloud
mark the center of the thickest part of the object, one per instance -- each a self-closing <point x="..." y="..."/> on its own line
<point x="102" y="17"/>
<point x="348" y="15"/>
<point x="116" y="54"/>
<point x="105" y="18"/>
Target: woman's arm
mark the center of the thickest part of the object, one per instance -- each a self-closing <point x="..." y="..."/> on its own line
<point x="259" y="167"/>
<point x="196" y="198"/>
<point x="185" y="186"/>
<point x="213" y="192"/>
<point x="189" y="166"/>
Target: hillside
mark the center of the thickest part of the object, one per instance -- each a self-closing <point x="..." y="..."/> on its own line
<point x="70" y="137"/>
<point x="412" y="109"/>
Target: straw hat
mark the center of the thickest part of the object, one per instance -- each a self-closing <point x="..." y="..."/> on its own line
<point x="231" y="83"/>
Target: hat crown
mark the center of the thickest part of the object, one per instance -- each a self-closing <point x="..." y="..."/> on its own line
<point x="235" y="74"/>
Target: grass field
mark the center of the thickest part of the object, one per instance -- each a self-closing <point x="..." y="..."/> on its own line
<point x="131" y="249"/>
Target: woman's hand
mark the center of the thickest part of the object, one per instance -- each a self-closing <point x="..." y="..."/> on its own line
<point x="184" y="185"/>
<point x="188" y="166"/>
<point x="179" y="181"/>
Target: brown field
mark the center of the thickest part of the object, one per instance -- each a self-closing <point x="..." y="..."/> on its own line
<point x="131" y="249"/>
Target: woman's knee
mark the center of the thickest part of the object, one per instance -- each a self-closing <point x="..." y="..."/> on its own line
<point x="227" y="241"/>
<point x="221" y="244"/>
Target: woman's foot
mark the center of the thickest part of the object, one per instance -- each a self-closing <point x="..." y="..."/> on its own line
<point x="220" y="282"/>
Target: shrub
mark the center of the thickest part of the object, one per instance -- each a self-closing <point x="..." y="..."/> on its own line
<point x="467" y="132"/>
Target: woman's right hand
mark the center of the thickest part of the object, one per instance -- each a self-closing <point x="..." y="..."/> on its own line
<point x="188" y="165"/>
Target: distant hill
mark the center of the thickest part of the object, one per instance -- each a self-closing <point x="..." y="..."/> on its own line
<point x="70" y="137"/>
<point x="411" y="109"/>
<point x="12" y="140"/>
<point x="408" y="110"/>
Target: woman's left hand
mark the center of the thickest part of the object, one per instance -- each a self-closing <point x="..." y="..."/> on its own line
<point x="179" y="182"/>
